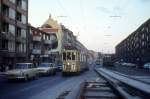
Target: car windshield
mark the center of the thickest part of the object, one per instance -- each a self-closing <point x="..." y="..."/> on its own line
<point x="44" y="65"/>
<point x="21" y="66"/>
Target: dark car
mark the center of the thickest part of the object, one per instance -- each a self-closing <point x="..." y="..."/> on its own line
<point x="59" y="68"/>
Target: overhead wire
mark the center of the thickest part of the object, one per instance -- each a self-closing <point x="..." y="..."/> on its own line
<point x="65" y="11"/>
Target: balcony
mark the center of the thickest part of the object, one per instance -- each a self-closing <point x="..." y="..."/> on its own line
<point x="7" y="53"/>
<point x="37" y="38"/>
<point x="20" y="39"/>
<point x="36" y="51"/>
<point x="21" y="24"/>
<point x="9" y="3"/>
<point x="8" y="36"/>
<point x="7" y="19"/>
<point x="47" y="52"/>
<point x="20" y="54"/>
<point x="47" y="42"/>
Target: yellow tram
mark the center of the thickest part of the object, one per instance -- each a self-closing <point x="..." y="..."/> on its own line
<point x="74" y="62"/>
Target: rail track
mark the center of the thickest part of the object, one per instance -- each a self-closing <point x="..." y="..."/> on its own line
<point x="113" y="86"/>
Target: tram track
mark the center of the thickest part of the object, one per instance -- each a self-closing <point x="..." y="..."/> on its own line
<point x="113" y="87"/>
<point x="132" y="77"/>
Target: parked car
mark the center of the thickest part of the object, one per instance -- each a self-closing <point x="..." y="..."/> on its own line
<point x="117" y="63"/>
<point x="47" y="68"/>
<point x="147" y="65"/>
<point x="22" y="71"/>
<point x="129" y="65"/>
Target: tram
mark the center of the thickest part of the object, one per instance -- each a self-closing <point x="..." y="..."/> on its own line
<point x="74" y="62"/>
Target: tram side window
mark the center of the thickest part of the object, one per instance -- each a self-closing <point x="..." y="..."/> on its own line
<point x="73" y="55"/>
<point x="68" y="56"/>
<point x="78" y="56"/>
<point x="64" y="56"/>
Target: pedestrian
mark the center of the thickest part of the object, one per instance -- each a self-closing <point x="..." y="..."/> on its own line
<point x="6" y="68"/>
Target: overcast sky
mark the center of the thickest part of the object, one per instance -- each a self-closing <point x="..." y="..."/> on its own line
<point x="99" y="24"/>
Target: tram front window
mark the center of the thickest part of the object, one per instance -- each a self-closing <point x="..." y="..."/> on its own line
<point x="69" y="56"/>
<point x="73" y="55"/>
<point x="64" y="55"/>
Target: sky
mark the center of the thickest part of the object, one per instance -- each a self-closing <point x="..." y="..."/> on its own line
<point x="98" y="24"/>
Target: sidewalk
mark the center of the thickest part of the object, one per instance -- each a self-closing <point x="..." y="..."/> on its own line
<point x="2" y="76"/>
<point x="130" y="71"/>
<point x="2" y="73"/>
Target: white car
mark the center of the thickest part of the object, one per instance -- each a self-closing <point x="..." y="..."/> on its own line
<point x="22" y="71"/>
<point x="129" y="65"/>
<point x="147" y="65"/>
<point x="47" y="68"/>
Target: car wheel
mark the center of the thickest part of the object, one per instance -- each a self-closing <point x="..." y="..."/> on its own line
<point x="36" y="76"/>
<point x="26" y="78"/>
<point x="53" y="72"/>
<point x="10" y="80"/>
<point x="48" y="73"/>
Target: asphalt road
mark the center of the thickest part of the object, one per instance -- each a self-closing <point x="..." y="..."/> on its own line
<point x="24" y="90"/>
<point x="43" y="88"/>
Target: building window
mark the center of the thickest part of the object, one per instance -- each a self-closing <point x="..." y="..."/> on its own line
<point x="19" y="3"/>
<point x="12" y="29"/>
<point x="147" y="38"/>
<point x="143" y="36"/>
<point x="5" y="44"/>
<point x="18" y="32"/>
<point x="11" y="46"/>
<point x="44" y="36"/>
<point x="48" y="37"/>
<point x="142" y="29"/>
<point x="5" y="10"/>
<point x="30" y="31"/>
<point x="5" y="27"/>
<point x="24" y="48"/>
<point x="147" y="29"/>
<point x="143" y="43"/>
<point x="19" y="47"/>
<point x="23" y="33"/>
<point x="12" y="13"/>
<point x="24" y="4"/>
<point x="19" y="16"/>
<point x="23" y="19"/>
<point x="13" y="1"/>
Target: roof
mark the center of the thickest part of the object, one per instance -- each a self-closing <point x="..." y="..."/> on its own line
<point x="23" y="63"/>
<point x="51" y="23"/>
<point x="49" y="30"/>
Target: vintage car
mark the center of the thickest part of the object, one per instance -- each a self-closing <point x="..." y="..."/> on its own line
<point x="147" y="66"/>
<point x="22" y="71"/>
<point x="47" y="68"/>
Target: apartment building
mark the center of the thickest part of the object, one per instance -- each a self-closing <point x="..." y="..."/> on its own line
<point x="13" y="32"/>
<point x="40" y="45"/>
<point x="136" y="47"/>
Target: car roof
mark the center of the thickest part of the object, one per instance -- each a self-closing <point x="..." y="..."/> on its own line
<point x="23" y="63"/>
<point x="147" y="63"/>
<point x="46" y="63"/>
